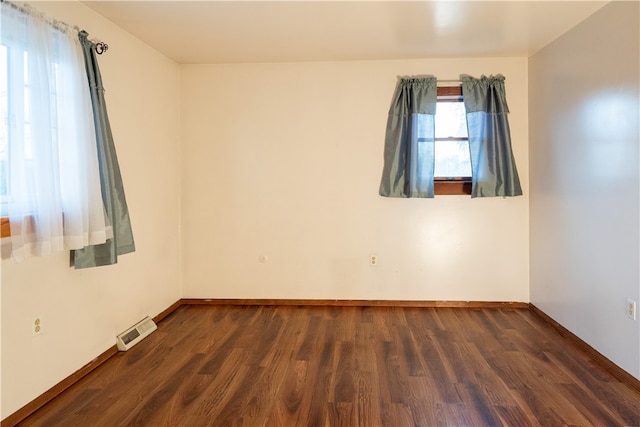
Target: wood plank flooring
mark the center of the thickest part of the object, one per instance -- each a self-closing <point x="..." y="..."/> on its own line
<point x="347" y="366"/>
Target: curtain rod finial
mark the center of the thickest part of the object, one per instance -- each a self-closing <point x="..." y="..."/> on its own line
<point x="101" y="48"/>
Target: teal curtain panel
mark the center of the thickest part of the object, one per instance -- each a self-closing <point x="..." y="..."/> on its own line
<point x="494" y="171"/>
<point x="113" y="196"/>
<point x="410" y="139"/>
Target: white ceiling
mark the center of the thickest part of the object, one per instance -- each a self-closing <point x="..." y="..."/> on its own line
<point x="207" y="32"/>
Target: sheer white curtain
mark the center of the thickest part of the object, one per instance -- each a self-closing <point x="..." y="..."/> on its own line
<point x="50" y="187"/>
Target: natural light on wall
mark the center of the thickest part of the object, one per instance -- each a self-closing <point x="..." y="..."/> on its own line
<point x="609" y="119"/>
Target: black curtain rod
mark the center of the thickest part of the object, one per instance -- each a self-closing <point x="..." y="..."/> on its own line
<point x="99" y="46"/>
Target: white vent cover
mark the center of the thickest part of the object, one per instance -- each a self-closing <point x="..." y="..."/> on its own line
<point x="135" y="334"/>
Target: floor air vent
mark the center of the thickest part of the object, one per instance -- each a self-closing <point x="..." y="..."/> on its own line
<point x="135" y="334"/>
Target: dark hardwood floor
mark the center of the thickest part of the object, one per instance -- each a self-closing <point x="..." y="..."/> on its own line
<point x="347" y="366"/>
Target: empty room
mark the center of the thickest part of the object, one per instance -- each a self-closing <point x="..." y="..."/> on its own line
<point x="320" y="213"/>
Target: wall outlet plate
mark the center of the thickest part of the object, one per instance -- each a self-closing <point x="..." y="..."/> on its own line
<point x="631" y="309"/>
<point x="36" y="326"/>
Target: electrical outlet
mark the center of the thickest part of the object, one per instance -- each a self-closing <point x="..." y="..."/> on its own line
<point x="631" y="309"/>
<point x="373" y="260"/>
<point x="36" y="326"/>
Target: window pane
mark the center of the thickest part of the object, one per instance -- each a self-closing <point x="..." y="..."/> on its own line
<point x="452" y="159"/>
<point x="4" y="123"/>
<point x="25" y="61"/>
<point x="27" y="109"/>
<point x="451" y="120"/>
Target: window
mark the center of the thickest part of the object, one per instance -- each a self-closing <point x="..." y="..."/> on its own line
<point x="14" y="112"/>
<point x="414" y="143"/>
<point x="452" y="173"/>
<point x="50" y="196"/>
<point x="4" y="131"/>
<point x="17" y="112"/>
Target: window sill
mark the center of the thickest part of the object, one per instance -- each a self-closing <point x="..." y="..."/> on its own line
<point x="452" y="187"/>
<point x="5" y="227"/>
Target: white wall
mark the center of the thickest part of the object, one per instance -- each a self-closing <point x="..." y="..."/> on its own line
<point x="83" y="310"/>
<point x="584" y="139"/>
<point x="284" y="160"/>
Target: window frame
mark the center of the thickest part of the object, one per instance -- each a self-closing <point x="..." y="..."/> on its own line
<point x="454" y="186"/>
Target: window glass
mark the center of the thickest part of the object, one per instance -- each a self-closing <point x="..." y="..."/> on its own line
<point x="451" y="120"/>
<point x="452" y="159"/>
<point x="452" y="145"/>
<point x="4" y="125"/>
